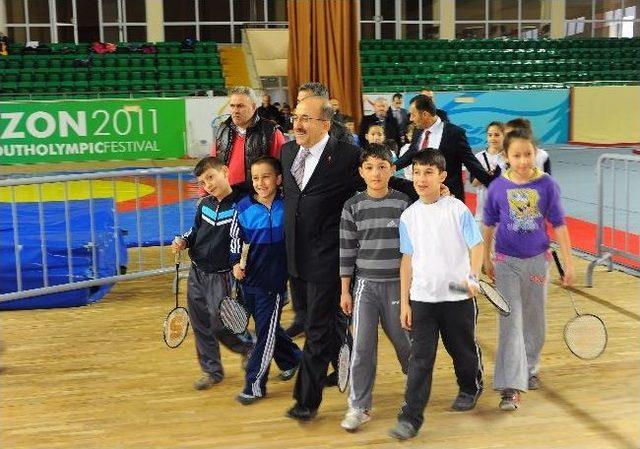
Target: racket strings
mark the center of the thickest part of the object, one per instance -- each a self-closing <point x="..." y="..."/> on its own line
<point x="586" y="336"/>
<point x="233" y="315"/>
<point x="176" y="327"/>
<point x="344" y="359"/>
<point x="495" y="298"/>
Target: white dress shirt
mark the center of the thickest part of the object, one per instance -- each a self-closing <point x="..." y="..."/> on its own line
<point x="435" y="134"/>
<point x="312" y="160"/>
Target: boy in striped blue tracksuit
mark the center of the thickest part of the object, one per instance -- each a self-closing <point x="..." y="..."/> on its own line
<point x="259" y="221"/>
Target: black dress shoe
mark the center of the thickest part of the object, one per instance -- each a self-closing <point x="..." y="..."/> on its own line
<point x="331" y="380"/>
<point x="294" y="330"/>
<point x="301" y="413"/>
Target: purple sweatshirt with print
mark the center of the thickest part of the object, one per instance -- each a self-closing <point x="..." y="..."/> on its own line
<point x="520" y="211"/>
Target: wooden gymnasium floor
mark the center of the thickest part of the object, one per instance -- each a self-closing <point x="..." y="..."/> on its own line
<point x="101" y="377"/>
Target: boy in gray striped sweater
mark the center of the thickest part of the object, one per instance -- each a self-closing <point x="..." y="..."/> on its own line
<point x="370" y="252"/>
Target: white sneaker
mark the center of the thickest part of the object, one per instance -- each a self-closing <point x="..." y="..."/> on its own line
<point x="354" y="418"/>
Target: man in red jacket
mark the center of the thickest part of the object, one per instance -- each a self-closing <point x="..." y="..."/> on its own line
<point x="244" y="137"/>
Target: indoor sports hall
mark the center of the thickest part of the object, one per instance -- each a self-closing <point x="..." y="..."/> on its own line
<point x="106" y="106"/>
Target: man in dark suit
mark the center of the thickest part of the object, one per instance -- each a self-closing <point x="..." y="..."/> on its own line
<point x="319" y="175"/>
<point x="448" y="138"/>
<point x="380" y="117"/>
<point x="399" y="113"/>
<point x="340" y="132"/>
<point x="439" y="112"/>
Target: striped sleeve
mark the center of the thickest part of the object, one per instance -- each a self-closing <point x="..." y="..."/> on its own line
<point x="236" y="239"/>
<point x="348" y="242"/>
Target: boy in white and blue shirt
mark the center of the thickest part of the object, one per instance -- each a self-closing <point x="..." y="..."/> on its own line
<point x="440" y="244"/>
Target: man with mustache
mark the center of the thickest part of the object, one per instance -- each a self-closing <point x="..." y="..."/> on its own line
<point x="319" y="175"/>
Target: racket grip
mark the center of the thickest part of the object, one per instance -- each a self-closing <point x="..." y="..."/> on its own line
<point x="558" y="265"/>
<point x="458" y="288"/>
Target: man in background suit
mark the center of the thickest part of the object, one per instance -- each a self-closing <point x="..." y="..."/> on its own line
<point x="319" y="175"/>
<point x="380" y="117"/>
<point x="448" y="138"/>
<point x="399" y="113"/>
<point x="439" y="112"/>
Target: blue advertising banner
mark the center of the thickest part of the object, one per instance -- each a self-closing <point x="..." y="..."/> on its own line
<point x="547" y="109"/>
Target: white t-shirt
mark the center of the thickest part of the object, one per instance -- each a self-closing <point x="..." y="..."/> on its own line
<point x="407" y="172"/>
<point x="495" y="160"/>
<point x="438" y="237"/>
<point x="541" y="157"/>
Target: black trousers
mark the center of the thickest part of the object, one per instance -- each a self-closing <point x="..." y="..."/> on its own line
<point x="456" y="322"/>
<point x="298" y="300"/>
<point x="322" y="343"/>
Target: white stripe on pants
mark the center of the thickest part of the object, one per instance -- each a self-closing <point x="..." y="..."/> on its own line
<point x="374" y="302"/>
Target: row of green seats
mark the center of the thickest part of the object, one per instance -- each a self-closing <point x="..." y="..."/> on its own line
<point x="442" y="55"/>
<point x="499" y="43"/>
<point x="110" y="60"/>
<point x="502" y="78"/>
<point x="560" y="66"/>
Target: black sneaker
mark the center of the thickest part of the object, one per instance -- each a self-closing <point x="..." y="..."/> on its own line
<point x="207" y="381"/>
<point x="403" y="431"/>
<point x="465" y="401"/>
<point x="288" y="373"/>
<point x="247" y="399"/>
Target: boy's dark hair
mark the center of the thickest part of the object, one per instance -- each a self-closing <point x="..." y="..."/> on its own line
<point x="517" y="133"/>
<point x="396" y="95"/>
<point x="269" y="160"/>
<point x="377" y="151"/>
<point x="378" y="124"/>
<point x="520" y="122"/>
<point x="497" y="124"/>
<point x="205" y="163"/>
<point x="348" y="119"/>
<point x="424" y="104"/>
<point x="430" y="156"/>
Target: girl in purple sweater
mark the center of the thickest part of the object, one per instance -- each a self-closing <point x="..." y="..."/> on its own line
<point x="520" y="201"/>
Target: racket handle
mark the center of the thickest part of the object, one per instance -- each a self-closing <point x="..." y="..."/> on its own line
<point x="176" y="255"/>
<point x="486" y="161"/>
<point x="558" y="265"/>
<point x="458" y="288"/>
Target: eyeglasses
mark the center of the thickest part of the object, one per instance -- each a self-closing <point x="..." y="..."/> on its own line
<point x="304" y="119"/>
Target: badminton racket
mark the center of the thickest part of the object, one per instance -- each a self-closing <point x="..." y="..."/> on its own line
<point x="489" y="292"/>
<point x="585" y="334"/>
<point x="344" y="360"/>
<point x="232" y="314"/>
<point x="176" y="324"/>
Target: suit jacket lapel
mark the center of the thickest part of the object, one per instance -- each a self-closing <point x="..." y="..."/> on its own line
<point x="287" y="168"/>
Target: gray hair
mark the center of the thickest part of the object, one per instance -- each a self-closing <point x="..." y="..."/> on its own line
<point x="326" y="110"/>
<point x="317" y="89"/>
<point x="246" y="91"/>
<point x="381" y="100"/>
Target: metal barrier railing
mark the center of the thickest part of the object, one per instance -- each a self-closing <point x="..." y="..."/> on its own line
<point x="616" y="219"/>
<point x="149" y="184"/>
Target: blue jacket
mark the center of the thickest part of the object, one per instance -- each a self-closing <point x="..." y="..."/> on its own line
<point x="263" y="229"/>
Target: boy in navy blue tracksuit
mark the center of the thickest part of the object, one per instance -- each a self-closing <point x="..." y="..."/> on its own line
<point x="259" y="221"/>
<point x="210" y="278"/>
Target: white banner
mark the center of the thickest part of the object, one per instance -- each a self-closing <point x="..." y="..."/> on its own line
<point x="202" y="114"/>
